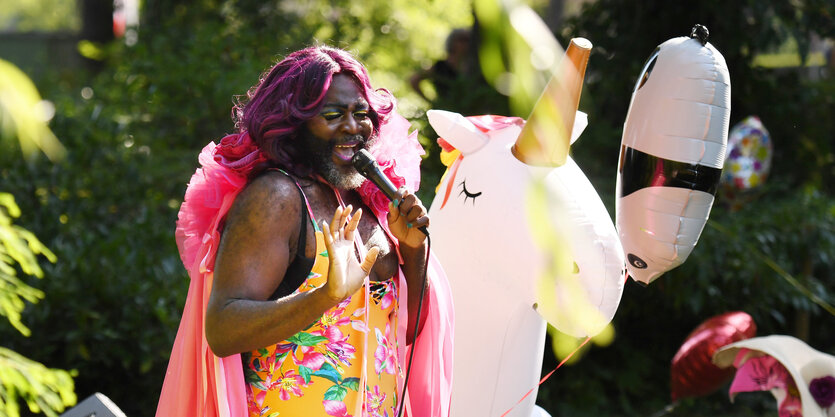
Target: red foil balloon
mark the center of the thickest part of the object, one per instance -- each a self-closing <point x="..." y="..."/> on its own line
<point x="692" y="373"/>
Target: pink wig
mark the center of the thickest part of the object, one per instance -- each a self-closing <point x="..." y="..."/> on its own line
<point x="292" y="92"/>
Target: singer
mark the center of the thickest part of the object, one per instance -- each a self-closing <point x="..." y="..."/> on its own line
<point x="305" y="278"/>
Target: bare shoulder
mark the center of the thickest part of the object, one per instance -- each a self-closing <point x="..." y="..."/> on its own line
<point x="270" y="200"/>
<point x="255" y="246"/>
<point x="263" y="218"/>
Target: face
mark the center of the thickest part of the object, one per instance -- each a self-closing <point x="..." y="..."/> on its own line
<point x="341" y="128"/>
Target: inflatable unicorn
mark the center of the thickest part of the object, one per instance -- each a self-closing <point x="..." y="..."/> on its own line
<point x="486" y="233"/>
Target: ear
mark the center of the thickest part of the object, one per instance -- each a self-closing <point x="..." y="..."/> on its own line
<point x="581" y="120"/>
<point x="457" y="130"/>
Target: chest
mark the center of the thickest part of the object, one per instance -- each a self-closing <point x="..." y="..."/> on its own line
<point x="323" y="203"/>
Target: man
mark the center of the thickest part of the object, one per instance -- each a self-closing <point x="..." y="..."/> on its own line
<point x="317" y="316"/>
<point x="444" y="72"/>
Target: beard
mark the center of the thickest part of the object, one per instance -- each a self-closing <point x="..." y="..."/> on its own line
<point x="320" y="155"/>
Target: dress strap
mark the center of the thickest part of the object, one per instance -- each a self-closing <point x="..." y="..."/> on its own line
<point x="300" y="266"/>
<point x="304" y="198"/>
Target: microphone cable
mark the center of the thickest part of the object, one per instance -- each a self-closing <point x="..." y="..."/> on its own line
<point x="417" y="325"/>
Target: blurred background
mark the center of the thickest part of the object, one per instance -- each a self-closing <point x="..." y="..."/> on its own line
<point x="106" y="103"/>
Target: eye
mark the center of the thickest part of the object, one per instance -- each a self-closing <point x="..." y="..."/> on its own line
<point x="467" y="193"/>
<point x="361" y="114"/>
<point x="331" y="114"/>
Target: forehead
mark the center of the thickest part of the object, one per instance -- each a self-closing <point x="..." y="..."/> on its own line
<point x="343" y="90"/>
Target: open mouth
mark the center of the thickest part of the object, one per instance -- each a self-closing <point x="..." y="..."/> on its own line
<point x="345" y="151"/>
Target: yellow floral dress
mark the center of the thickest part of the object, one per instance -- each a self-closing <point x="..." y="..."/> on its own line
<point x="344" y="364"/>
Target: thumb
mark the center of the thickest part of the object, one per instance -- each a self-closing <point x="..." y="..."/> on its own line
<point x="370" y="259"/>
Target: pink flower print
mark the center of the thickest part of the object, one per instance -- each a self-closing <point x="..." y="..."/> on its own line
<point x="335" y="408"/>
<point x="388" y="296"/>
<point x="358" y="320"/>
<point x="334" y="318"/>
<point x="254" y="407"/>
<point x="384" y="357"/>
<point x="344" y="303"/>
<point x="338" y="347"/>
<point x="384" y="293"/>
<point x="375" y="403"/>
<point x="302" y="348"/>
<point x="310" y="358"/>
<point x="288" y="384"/>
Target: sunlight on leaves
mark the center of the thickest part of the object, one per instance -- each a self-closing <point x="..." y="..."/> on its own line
<point x="23" y="115"/>
<point x="44" y="390"/>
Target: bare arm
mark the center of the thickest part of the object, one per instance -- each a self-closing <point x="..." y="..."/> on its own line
<point x="404" y="221"/>
<point x="251" y="262"/>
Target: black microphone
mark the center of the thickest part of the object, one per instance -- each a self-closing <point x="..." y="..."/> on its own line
<point x="367" y="166"/>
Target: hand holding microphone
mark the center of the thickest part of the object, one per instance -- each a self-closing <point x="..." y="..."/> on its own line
<point x="365" y="164"/>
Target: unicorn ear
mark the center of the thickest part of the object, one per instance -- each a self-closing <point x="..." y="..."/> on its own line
<point x="581" y="121"/>
<point x="457" y="130"/>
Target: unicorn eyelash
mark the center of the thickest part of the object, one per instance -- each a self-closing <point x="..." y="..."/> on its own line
<point x="467" y="193"/>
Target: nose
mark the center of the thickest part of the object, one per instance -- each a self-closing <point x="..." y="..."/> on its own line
<point x="351" y="125"/>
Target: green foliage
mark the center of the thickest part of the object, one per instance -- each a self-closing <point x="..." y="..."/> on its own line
<point x="767" y="252"/>
<point x="19" y="246"/>
<point x="44" y="390"/>
<point x="39" y="15"/>
<point x="132" y="134"/>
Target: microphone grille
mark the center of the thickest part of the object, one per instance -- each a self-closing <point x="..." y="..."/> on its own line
<point x="362" y="161"/>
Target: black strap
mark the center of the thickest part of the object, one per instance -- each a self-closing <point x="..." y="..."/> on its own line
<point x="300" y="268"/>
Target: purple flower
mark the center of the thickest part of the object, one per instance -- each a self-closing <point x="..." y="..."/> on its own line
<point x="823" y="390"/>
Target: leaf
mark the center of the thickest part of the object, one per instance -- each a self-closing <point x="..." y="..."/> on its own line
<point x="306" y="339"/>
<point x="352" y="383"/>
<point x="305" y="373"/>
<point x="251" y="376"/>
<point x="336" y="393"/>
<point x="42" y="388"/>
<point x="328" y="372"/>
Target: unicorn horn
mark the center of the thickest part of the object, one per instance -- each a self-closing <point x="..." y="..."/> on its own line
<point x="545" y="139"/>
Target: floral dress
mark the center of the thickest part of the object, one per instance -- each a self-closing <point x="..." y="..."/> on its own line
<point x="344" y="364"/>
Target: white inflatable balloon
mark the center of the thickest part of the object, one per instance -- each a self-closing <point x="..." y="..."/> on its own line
<point x="482" y="236"/>
<point x="672" y="152"/>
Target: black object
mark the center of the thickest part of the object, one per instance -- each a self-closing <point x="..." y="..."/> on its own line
<point x="365" y="164"/>
<point x="640" y="170"/>
<point x="700" y="32"/>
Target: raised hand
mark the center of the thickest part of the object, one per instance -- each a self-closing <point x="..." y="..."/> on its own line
<point x="345" y="273"/>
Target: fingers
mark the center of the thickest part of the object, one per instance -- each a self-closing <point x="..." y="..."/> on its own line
<point x="370" y="259"/>
<point x="326" y="231"/>
<point x="337" y="215"/>
<point x="410" y="208"/>
<point x="353" y="222"/>
<point x="340" y="216"/>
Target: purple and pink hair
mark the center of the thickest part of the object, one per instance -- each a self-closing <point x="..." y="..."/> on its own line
<point x="292" y="92"/>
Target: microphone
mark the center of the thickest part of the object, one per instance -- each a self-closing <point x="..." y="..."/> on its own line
<point x="367" y="166"/>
